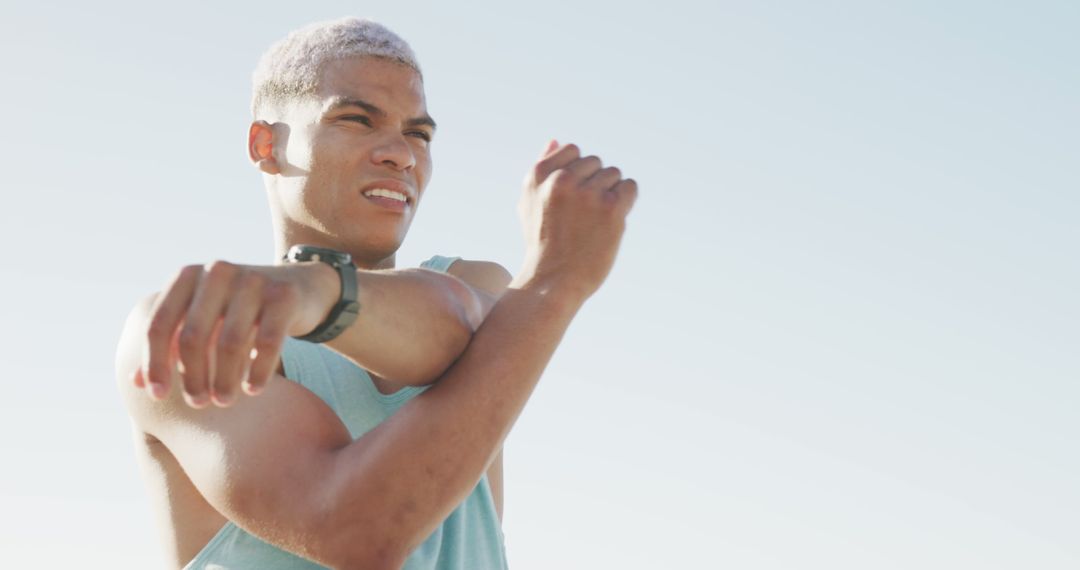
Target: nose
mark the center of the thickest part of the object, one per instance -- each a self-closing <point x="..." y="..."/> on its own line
<point x="394" y="151"/>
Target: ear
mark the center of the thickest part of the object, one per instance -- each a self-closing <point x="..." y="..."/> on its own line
<point x="261" y="147"/>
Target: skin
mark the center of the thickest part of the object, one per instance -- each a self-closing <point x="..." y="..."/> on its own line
<point x="209" y="452"/>
<point x="335" y="149"/>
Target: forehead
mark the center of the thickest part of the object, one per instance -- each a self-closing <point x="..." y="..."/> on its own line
<point x="390" y="85"/>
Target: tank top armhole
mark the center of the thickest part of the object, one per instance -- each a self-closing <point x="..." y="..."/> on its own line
<point x="204" y="555"/>
<point x="299" y="359"/>
<point x="289" y="360"/>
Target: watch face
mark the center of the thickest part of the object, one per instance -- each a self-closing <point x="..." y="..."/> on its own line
<point x="313" y="253"/>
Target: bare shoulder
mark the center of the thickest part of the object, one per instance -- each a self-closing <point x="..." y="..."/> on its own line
<point x="486" y="275"/>
<point x="150" y="417"/>
<point x="129" y="359"/>
<point x="255" y="461"/>
<point x="174" y="422"/>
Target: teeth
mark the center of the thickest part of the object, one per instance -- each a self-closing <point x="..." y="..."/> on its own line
<point x="384" y="193"/>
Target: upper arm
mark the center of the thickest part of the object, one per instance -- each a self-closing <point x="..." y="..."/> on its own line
<point x="418" y="322"/>
<point x="259" y="462"/>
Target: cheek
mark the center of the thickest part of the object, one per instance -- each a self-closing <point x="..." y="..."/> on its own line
<point x="321" y="150"/>
<point x="300" y="150"/>
<point x="327" y="167"/>
<point x="325" y="181"/>
<point x="320" y="153"/>
<point x="298" y="157"/>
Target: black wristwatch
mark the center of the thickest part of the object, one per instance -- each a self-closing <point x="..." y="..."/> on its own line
<point x="344" y="312"/>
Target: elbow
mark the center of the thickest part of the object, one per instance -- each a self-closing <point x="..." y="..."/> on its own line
<point x="462" y="312"/>
<point x="466" y="307"/>
<point x="455" y="311"/>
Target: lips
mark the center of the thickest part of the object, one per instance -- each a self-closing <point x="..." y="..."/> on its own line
<point x="391" y="194"/>
<point x="389" y="190"/>
<point x="387" y="193"/>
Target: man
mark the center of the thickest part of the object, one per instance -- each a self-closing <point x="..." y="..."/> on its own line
<point x="382" y="448"/>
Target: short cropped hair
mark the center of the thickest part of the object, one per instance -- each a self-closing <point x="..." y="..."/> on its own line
<point x="290" y="68"/>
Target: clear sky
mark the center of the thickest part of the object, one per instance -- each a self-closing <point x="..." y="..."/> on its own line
<point x="842" y="331"/>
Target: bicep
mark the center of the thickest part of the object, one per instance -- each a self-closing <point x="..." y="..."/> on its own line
<point x="261" y="461"/>
<point x="258" y="462"/>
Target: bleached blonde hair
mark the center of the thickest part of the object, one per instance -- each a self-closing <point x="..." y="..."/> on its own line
<point x="290" y="68"/>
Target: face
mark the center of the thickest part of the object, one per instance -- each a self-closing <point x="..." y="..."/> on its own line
<point x="356" y="160"/>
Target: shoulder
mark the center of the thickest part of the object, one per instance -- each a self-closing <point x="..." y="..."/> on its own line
<point x="177" y="424"/>
<point x="148" y="416"/>
<point x="486" y="275"/>
<point x="129" y="359"/>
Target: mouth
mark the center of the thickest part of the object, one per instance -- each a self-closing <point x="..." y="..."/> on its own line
<point x="389" y="194"/>
<point x="386" y="193"/>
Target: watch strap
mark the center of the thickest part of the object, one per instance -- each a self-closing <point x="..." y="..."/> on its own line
<point x="344" y="312"/>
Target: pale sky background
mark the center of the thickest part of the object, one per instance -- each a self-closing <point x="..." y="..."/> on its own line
<point x="842" y="331"/>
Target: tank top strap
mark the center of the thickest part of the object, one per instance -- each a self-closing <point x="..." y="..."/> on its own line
<point x="439" y="263"/>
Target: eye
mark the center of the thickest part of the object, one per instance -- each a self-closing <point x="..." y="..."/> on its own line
<point x="362" y="119"/>
<point x="423" y="135"/>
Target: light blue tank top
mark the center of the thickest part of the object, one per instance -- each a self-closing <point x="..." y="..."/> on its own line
<point x="469" y="539"/>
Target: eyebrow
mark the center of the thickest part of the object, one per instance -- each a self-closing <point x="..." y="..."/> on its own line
<point x="339" y="103"/>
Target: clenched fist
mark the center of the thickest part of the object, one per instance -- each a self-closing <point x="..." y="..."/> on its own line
<point x="573" y="210"/>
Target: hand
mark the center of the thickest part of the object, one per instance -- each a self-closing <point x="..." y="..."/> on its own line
<point x="209" y="318"/>
<point x="574" y="212"/>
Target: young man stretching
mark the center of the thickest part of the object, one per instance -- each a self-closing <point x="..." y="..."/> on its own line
<point x="374" y="442"/>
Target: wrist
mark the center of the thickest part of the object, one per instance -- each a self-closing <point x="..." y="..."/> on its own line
<point x="320" y="288"/>
<point x="562" y="295"/>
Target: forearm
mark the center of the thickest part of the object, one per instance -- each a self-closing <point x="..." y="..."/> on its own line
<point x="430" y="455"/>
<point x="412" y="324"/>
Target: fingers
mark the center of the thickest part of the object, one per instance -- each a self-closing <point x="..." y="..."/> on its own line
<point x="551" y="145"/>
<point x="202" y="319"/>
<point x="234" y="343"/>
<point x="626" y="193"/>
<point x="169" y="309"/>
<point x="604" y="179"/>
<point x="278" y="310"/>
<point x="584" y="167"/>
<point x="221" y="328"/>
<point x="588" y="173"/>
<point x="554" y="160"/>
